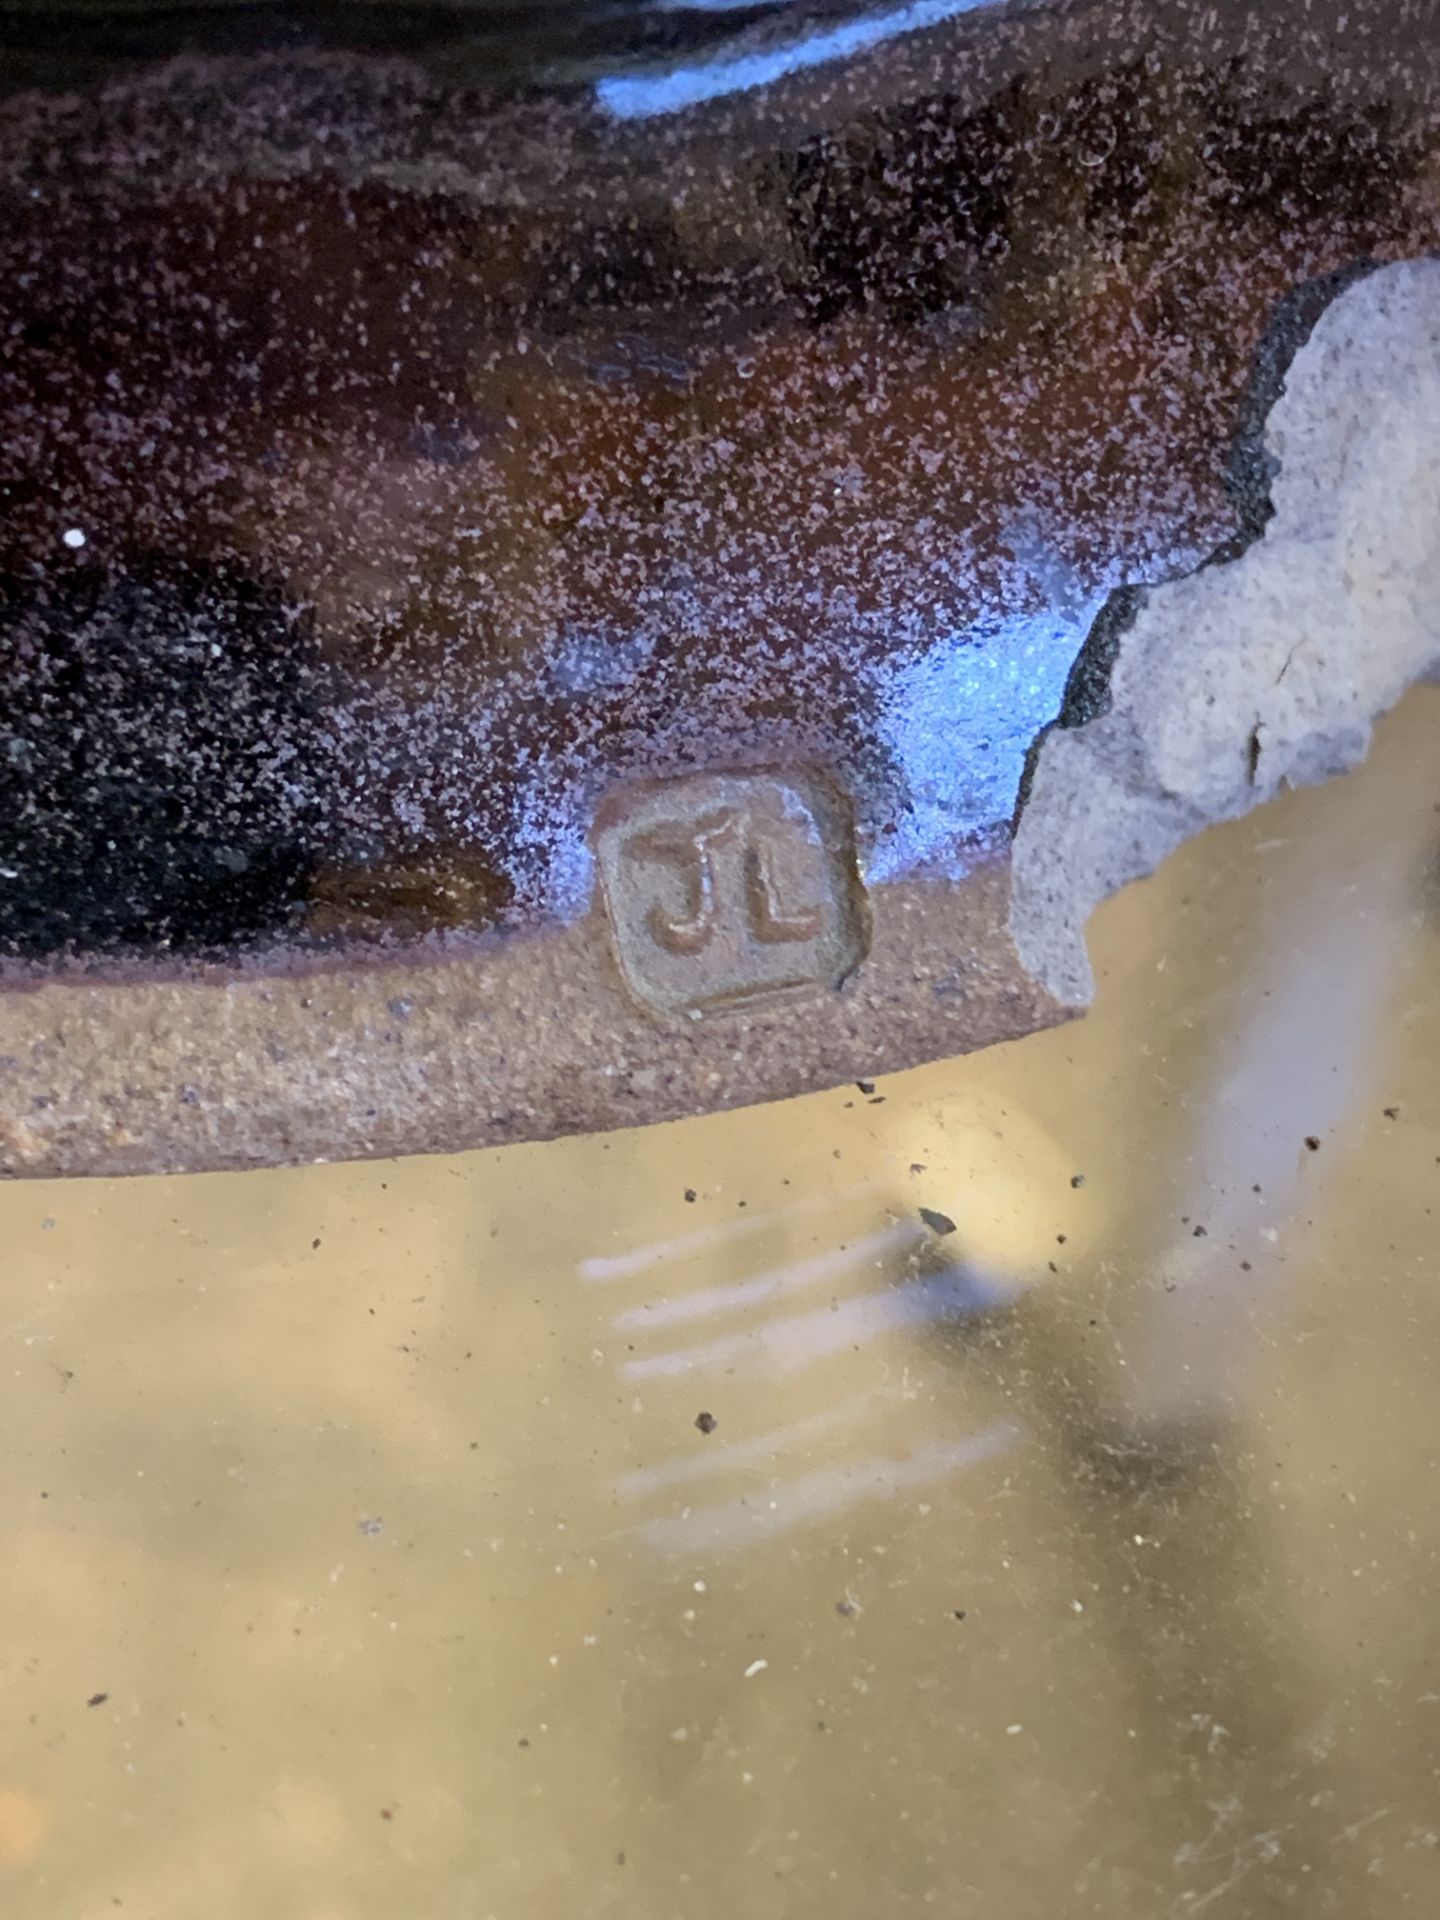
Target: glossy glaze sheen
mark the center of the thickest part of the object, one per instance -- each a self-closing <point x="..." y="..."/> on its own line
<point x="413" y="454"/>
<point x="801" y="396"/>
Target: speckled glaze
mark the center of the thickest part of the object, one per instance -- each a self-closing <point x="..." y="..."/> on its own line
<point x="422" y="435"/>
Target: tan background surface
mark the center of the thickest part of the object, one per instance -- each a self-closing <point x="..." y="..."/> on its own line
<point x="371" y="1498"/>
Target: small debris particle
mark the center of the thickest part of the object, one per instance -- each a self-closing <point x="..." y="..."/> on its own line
<point x="47" y="1224"/>
<point x="385" y="1813"/>
<point x="1199" y="1233"/>
<point x="371" y="1524"/>
<point x="1060" y="1239"/>
<point x="917" y="1166"/>
<point x="866" y="1086"/>
<point x="959" y="1613"/>
<point x="1077" y="1180"/>
<point x="706" y="1422"/>
<point x="846" y="1607"/>
<point x="97" y="1699"/>
<point x="1015" y="1727"/>
<point x="690" y="1195"/>
<point x="313" y="1245"/>
<point x="1312" y="1141"/>
<point x="620" y="1858"/>
<point x="937" y="1222"/>
<point x="1391" y="1113"/>
<point x="755" y="1666"/>
<point x="878" y="1101"/>
<point x="523" y="1741"/>
<point x="74" y="538"/>
<point x="1245" y="1266"/>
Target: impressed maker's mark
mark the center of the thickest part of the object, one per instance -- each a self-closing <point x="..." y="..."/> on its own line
<point x="724" y="889"/>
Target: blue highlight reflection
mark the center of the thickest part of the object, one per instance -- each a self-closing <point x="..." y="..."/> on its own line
<point x="959" y="722"/>
<point x="644" y="96"/>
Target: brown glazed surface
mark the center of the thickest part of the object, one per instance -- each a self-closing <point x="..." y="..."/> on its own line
<point x="415" y="454"/>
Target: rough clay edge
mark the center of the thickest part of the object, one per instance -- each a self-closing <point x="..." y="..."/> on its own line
<point x="1174" y="717"/>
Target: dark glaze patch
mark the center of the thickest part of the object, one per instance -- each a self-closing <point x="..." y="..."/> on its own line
<point x="513" y="455"/>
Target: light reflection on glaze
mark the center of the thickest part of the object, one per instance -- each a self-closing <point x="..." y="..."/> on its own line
<point x="647" y="96"/>
<point x="955" y="725"/>
<point x="960" y="721"/>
